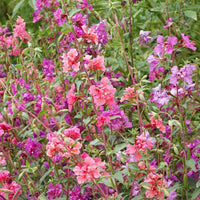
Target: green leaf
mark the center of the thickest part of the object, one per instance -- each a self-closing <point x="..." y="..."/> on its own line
<point x="195" y="193"/>
<point x="74" y="11"/>
<point x="17" y="7"/>
<point x="16" y="194"/>
<point x="191" y="14"/>
<point x="139" y="197"/>
<point x="119" y="177"/>
<point x="45" y="175"/>
<point x="42" y="197"/>
<point x="191" y="163"/>
<point x="96" y="142"/>
<point x="119" y="147"/>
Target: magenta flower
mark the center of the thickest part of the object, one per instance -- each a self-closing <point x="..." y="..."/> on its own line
<point x="33" y="147"/>
<point x="144" y="37"/>
<point x="54" y="192"/>
<point x="60" y="18"/>
<point x="187" y="43"/>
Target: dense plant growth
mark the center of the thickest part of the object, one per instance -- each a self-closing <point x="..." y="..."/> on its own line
<point x="100" y="100"/>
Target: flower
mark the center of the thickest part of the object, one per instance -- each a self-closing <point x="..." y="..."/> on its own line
<point x="159" y="96"/>
<point x="47" y="68"/>
<point x="71" y="97"/>
<point x="89" y="169"/>
<point x="144" y="37"/>
<point x="90" y="35"/>
<point x="157" y="183"/>
<point x="130" y="94"/>
<point x="14" y="190"/>
<point x="184" y="74"/>
<point x="95" y="63"/>
<point x="60" y="18"/>
<point x="33" y="147"/>
<point x="104" y="94"/>
<point x="2" y="159"/>
<point x="61" y="146"/>
<point x="54" y="192"/>
<point x="70" y="61"/>
<point x="19" y="30"/>
<point x="73" y="133"/>
<point x="142" y="143"/>
<point x="187" y="43"/>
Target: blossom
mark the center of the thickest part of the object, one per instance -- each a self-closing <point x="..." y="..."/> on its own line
<point x="47" y="68"/>
<point x="84" y="4"/>
<point x="54" y="192"/>
<point x="157" y="183"/>
<point x="3" y="175"/>
<point x="73" y="133"/>
<point x="2" y="159"/>
<point x="33" y="147"/>
<point x="71" y="97"/>
<point x="187" y="43"/>
<point x="142" y="143"/>
<point x="27" y="96"/>
<point x="13" y="187"/>
<point x="89" y="169"/>
<point x="156" y="122"/>
<point x="70" y="61"/>
<point x="61" y="146"/>
<point x="184" y="74"/>
<point x="90" y="35"/>
<point x="102" y="34"/>
<point x="144" y="37"/>
<point x="103" y="94"/>
<point x="159" y="96"/>
<point x="79" y="19"/>
<point x="168" y="23"/>
<point x="19" y="30"/>
<point x="95" y="63"/>
<point x="115" y="119"/>
<point x="130" y="94"/>
<point x="60" y="18"/>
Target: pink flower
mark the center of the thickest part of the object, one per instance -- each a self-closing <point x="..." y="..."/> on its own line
<point x="70" y="61"/>
<point x="187" y="43"/>
<point x="3" y="175"/>
<point x="96" y="63"/>
<point x="73" y="133"/>
<point x="103" y="94"/>
<point x="89" y="169"/>
<point x="90" y="35"/>
<point x="2" y="159"/>
<point x="13" y="187"/>
<point x="101" y="120"/>
<point x="71" y="97"/>
<point x="62" y="146"/>
<point x="19" y="30"/>
<point x="129" y="94"/>
<point x="157" y="183"/>
<point x="156" y="122"/>
<point x="142" y="143"/>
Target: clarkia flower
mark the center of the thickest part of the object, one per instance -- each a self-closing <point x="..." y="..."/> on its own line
<point x="60" y="17"/>
<point x="54" y="192"/>
<point x="33" y="147"/>
<point x="187" y="43"/>
<point x="144" y="37"/>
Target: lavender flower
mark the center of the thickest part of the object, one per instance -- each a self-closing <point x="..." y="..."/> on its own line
<point x="144" y="37"/>
<point x="28" y="96"/>
<point x="159" y="96"/>
<point x="60" y="18"/>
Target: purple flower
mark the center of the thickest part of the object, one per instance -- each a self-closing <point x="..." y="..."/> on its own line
<point x="79" y="19"/>
<point x="54" y="191"/>
<point x="48" y="67"/>
<point x="101" y="33"/>
<point x="144" y="37"/>
<point x="184" y="74"/>
<point x="27" y="96"/>
<point x="60" y="18"/>
<point x="118" y="119"/>
<point x="33" y="147"/>
<point x="159" y="96"/>
<point x="76" y="194"/>
<point x="85" y="4"/>
<point x="172" y="195"/>
<point x="187" y="43"/>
